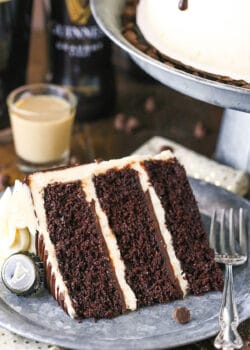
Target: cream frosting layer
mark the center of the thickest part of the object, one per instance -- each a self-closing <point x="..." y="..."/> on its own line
<point x="212" y="36"/>
<point x="112" y="246"/>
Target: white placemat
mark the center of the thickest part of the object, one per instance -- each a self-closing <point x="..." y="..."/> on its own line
<point x="200" y="167"/>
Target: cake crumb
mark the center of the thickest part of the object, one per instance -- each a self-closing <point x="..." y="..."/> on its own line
<point x="199" y="130"/>
<point x="131" y="124"/>
<point x="119" y="121"/>
<point x="181" y="314"/>
<point x="149" y="105"/>
<point x="166" y="148"/>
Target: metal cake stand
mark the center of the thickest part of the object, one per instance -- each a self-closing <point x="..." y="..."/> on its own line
<point x="233" y="145"/>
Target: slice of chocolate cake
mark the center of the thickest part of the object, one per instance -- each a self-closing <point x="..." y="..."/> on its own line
<point x="121" y="234"/>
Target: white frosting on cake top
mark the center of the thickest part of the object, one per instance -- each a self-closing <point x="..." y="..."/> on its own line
<point x="210" y="35"/>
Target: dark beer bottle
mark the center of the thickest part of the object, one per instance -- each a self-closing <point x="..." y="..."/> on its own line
<point x="81" y="58"/>
<point x="5" y="39"/>
<point x="15" y="23"/>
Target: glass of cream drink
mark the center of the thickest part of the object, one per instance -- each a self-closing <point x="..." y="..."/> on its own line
<point x="41" y="117"/>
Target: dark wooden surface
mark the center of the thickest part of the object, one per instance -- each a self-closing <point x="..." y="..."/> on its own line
<point x="157" y="110"/>
<point x="192" y="123"/>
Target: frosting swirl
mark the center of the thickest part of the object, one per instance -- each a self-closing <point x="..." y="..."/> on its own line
<point x="18" y="224"/>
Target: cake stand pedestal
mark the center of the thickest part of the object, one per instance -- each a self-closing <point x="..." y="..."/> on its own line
<point x="233" y="146"/>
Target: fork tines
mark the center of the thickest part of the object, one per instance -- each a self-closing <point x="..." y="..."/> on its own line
<point x="229" y="241"/>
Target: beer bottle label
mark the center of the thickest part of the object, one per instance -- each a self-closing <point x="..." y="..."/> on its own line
<point x="81" y="58"/>
<point x="79" y="36"/>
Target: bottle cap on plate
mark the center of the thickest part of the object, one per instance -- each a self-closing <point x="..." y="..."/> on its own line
<point x="23" y="274"/>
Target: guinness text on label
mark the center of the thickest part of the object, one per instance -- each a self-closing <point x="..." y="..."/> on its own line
<point x="75" y="32"/>
<point x="88" y="36"/>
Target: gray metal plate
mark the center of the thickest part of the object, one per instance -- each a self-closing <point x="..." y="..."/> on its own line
<point x="40" y="318"/>
<point x="108" y="13"/>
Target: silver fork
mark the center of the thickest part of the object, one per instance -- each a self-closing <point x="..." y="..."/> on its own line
<point x="227" y="253"/>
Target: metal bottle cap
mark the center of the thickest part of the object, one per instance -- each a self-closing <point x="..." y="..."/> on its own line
<point x="23" y="274"/>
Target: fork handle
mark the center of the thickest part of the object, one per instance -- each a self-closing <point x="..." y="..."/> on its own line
<point x="228" y="337"/>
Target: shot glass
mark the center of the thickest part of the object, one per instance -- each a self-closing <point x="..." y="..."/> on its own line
<point x="41" y="117"/>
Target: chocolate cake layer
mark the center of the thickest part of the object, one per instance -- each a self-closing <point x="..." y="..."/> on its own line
<point x="81" y="252"/>
<point x="125" y="204"/>
<point x="183" y="221"/>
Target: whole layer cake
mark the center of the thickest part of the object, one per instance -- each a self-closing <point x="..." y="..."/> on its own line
<point x="212" y="36"/>
<point x="121" y="234"/>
